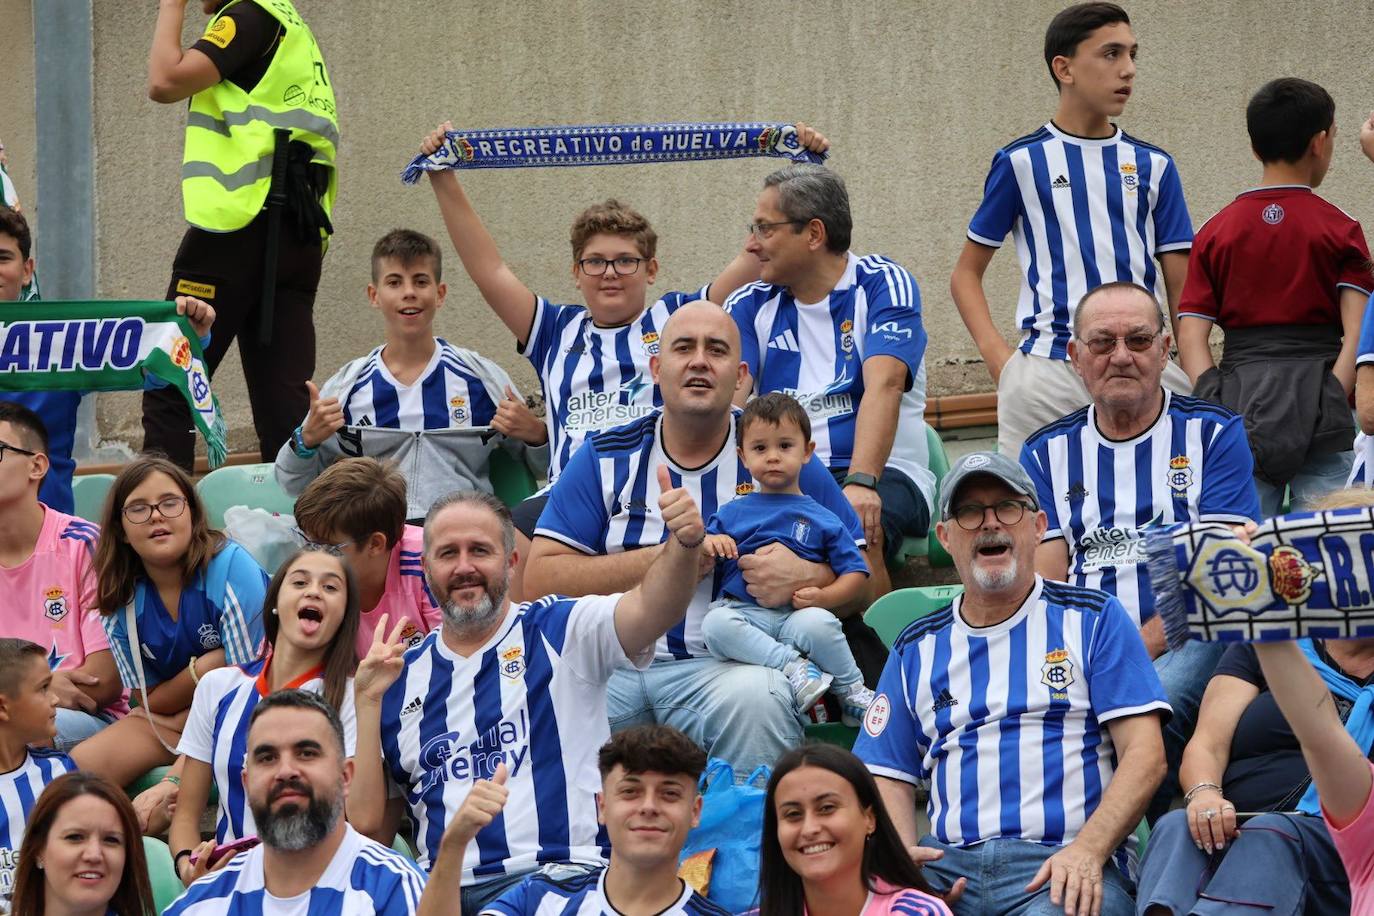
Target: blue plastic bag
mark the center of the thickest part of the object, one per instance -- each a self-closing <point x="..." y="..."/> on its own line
<point x="732" y="825"/>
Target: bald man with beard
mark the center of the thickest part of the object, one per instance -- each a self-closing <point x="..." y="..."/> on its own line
<point x="601" y="530"/>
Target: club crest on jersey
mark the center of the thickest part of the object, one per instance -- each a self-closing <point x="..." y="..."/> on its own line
<point x="1129" y="180"/>
<point x="1292" y="575"/>
<point x="513" y="662"/>
<point x="801" y="530"/>
<point x="209" y="636"/>
<point x="459" y="407"/>
<point x="1272" y="214"/>
<point x="1057" y="673"/>
<point x="744" y="489"/>
<point x="411" y="635"/>
<point x="55" y="604"/>
<point x="847" y="336"/>
<point x="1180" y="476"/>
<point x="650" y="342"/>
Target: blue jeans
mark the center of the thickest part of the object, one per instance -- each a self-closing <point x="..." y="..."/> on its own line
<point x="904" y="514"/>
<point x="743" y="632"/>
<point x="1320" y="476"/>
<point x="742" y="713"/>
<point x="998" y="872"/>
<point x="75" y="726"/>
<point x="1184" y="673"/>
<point x="1278" y="865"/>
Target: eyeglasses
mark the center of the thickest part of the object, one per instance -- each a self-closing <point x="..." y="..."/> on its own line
<point x="309" y="544"/>
<point x="14" y="448"/>
<point x="169" y="507"/>
<point x="763" y="231"/>
<point x="1136" y="343"/>
<point x="1009" y="511"/>
<point x="624" y="265"/>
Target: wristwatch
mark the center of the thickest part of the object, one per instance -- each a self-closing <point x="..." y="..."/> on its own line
<point x="298" y="445"/>
<point x="860" y="480"/>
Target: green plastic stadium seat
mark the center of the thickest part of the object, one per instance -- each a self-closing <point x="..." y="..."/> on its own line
<point x="153" y="777"/>
<point x="891" y="613"/>
<point x="511" y="481"/>
<point x="832" y="733"/>
<point x="929" y="546"/>
<point x="162" y="873"/>
<point x="399" y="844"/>
<point x="251" y="485"/>
<point x="88" y="491"/>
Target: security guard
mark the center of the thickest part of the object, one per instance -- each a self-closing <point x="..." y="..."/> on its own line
<point x="259" y="95"/>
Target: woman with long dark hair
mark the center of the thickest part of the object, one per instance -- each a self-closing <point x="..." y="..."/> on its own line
<point x="310" y="616"/>
<point x="82" y="853"/>
<point x="829" y="846"/>
<point x="177" y="600"/>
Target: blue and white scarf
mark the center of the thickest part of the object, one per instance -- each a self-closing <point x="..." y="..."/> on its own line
<point x="609" y="144"/>
<point x="1309" y="574"/>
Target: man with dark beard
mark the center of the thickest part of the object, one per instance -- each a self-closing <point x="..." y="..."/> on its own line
<point x="1031" y="707"/>
<point x="523" y="685"/>
<point x="310" y="860"/>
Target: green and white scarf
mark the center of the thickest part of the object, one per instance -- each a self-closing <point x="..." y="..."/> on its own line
<point x="108" y="346"/>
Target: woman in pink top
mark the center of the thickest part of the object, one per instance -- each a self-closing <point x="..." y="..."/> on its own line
<point x="829" y="846"/>
<point x="1340" y="767"/>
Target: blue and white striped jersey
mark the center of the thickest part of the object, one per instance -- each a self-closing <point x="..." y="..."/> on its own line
<point x="594" y="378"/>
<point x="607" y="502"/>
<point x="1364" y="444"/>
<point x="220" y="608"/>
<point x="585" y="895"/>
<point x="19" y="790"/>
<point x="458" y="388"/>
<point x="1083" y="212"/>
<point x="363" y="878"/>
<point x="1008" y="721"/>
<point x="1193" y="465"/>
<point x="533" y="696"/>
<point x="816" y="351"/>
<point x="216" y="734"/>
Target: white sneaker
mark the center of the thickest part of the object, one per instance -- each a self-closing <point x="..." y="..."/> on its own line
<point x="808" y="683"/>
<point x="854" y="703"/>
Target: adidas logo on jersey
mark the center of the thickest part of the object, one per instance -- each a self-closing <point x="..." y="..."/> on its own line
<point x="413" y="707"/>
<point x="944" y="701"/>
<point x="785" y="341"/>
<point x="1060" y="182"/>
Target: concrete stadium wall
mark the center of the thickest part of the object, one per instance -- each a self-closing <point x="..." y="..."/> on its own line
<point x="915" y="96"/>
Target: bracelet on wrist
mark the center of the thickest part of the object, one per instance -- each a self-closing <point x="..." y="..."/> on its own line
<point x="174" y="780"/>
<point x="1188" y="796"/>
<point x="701" y="540"/>
<point x="191" y="667"/>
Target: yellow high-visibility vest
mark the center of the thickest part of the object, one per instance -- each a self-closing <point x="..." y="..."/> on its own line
<point x="226" y="171"/>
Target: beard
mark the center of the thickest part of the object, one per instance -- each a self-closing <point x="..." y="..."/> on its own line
<point x="294" y="828"/>
<point x="473" y="618"/>
<point x="1000" y="579"/>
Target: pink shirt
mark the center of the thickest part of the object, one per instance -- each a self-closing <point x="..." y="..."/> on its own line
<point x="50" y="597"/>
<point x="902" y="901"/>
<point x="406" y="596"/>
<point x="1355" y="843"/>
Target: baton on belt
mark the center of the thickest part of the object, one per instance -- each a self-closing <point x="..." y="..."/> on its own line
<point x="276" y="202"/>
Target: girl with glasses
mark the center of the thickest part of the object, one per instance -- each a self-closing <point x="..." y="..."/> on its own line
<point x="178" y="599"/>
<point x="310" y="616"/>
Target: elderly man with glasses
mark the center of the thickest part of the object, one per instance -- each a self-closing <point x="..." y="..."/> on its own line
<point x="1031" y="707"/>
<point x="1137" y="456"/>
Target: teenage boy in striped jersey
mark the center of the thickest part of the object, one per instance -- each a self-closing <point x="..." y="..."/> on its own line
<point x="1087" y="204"/>
<point x="592" y="359"/>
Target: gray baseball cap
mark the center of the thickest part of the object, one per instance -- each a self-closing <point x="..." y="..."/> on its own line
<point x="990" y="464"/>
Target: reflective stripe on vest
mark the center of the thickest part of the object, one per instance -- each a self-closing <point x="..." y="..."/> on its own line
<point x="227" y="168"/>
